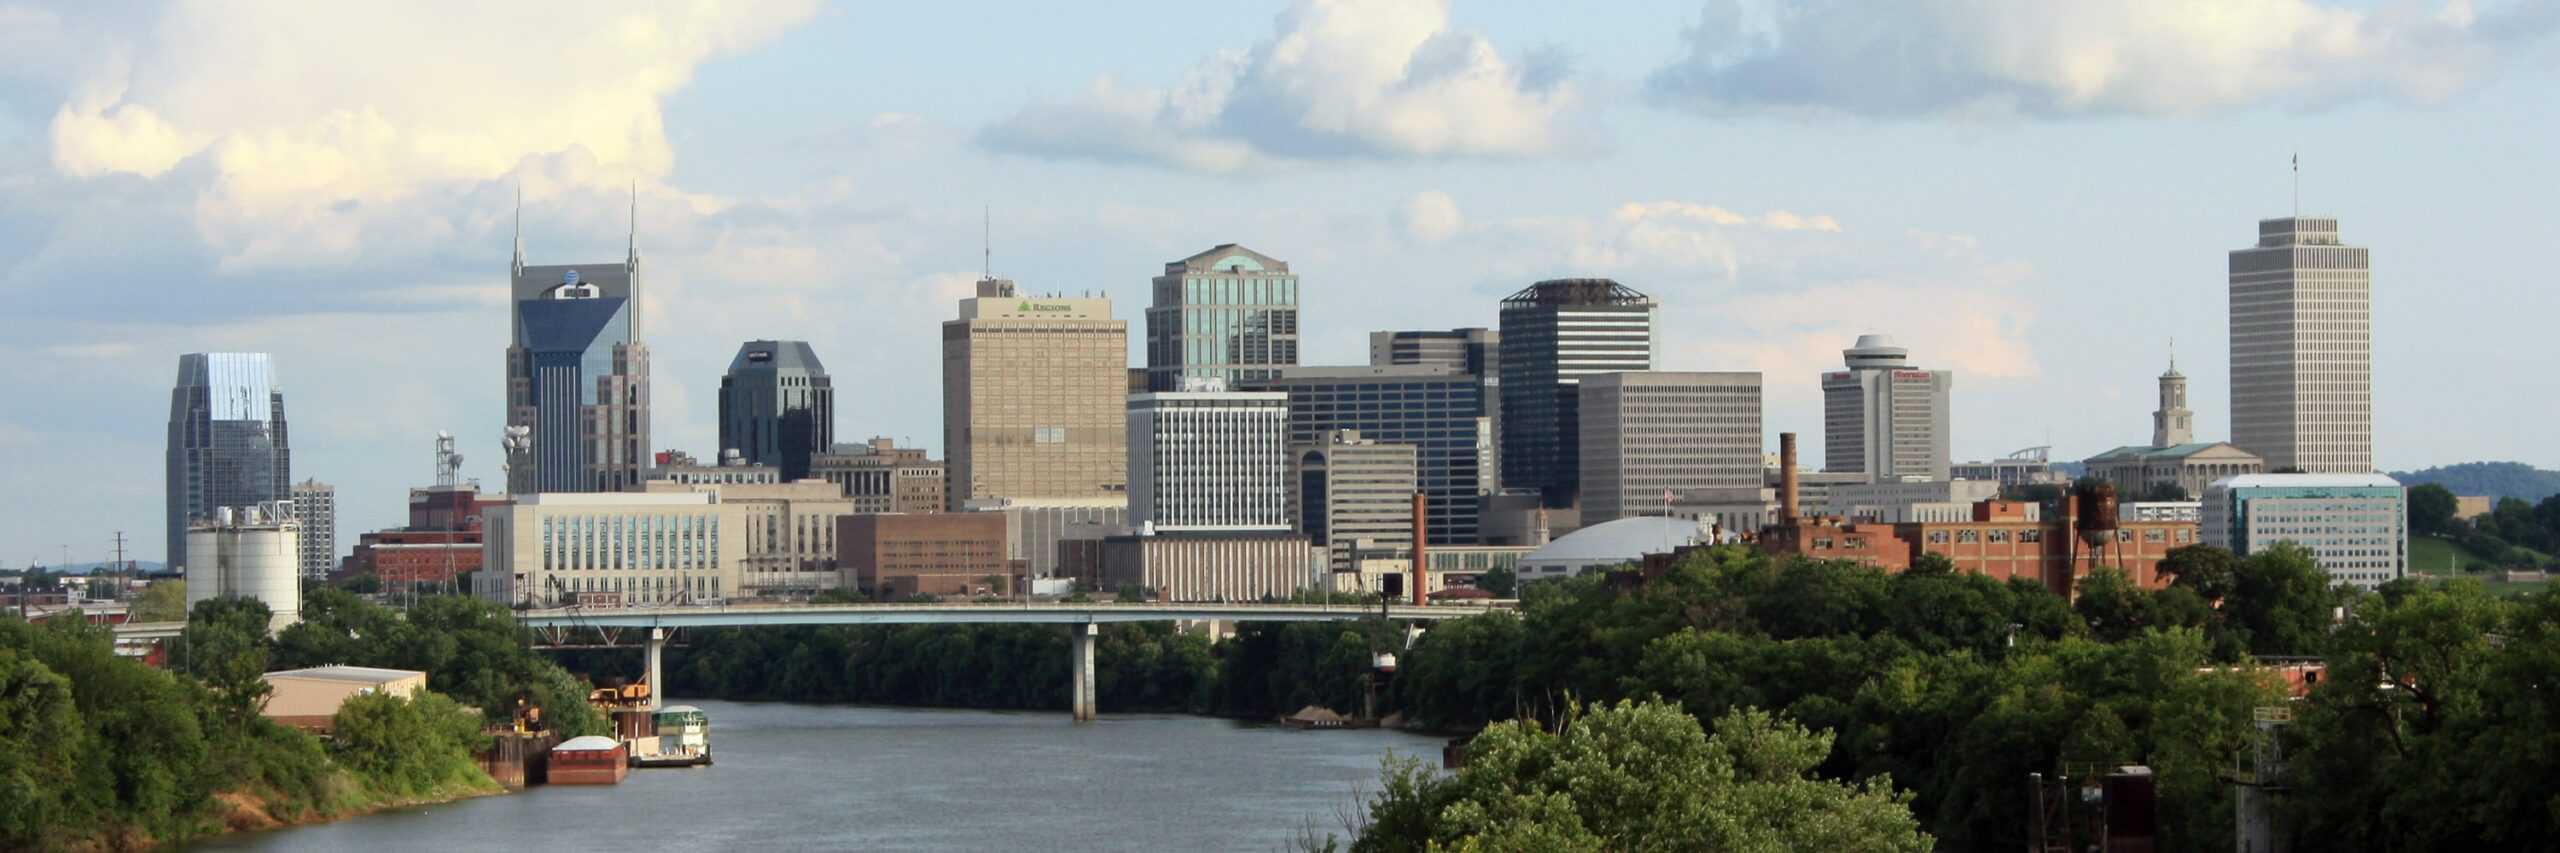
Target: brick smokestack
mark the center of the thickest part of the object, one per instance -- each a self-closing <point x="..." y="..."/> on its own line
<point x="1421" y="561"/>
<point x="1787" y="479"/>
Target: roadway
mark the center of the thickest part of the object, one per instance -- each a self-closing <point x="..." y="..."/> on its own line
<point x="1043" y="613"/>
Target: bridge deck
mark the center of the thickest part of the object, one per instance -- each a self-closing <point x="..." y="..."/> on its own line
<point x="956" y="614"/>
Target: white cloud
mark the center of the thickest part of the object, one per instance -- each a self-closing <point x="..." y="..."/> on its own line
<point x="1429" y="216"/>
<point x="2093" y="57"/>
<point x="1337" y="78"/>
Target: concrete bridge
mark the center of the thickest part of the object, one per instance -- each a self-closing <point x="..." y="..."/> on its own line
<point x="555" y="625"/>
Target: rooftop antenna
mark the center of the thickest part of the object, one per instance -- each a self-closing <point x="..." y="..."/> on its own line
<point x="519" y="265"/>
<point x="987" y="241"/>
<point x="2173" y="339"/>
<point x="2297" y="184"/>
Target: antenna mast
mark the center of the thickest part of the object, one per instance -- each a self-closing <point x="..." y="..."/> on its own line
<point x="987" y="241"/>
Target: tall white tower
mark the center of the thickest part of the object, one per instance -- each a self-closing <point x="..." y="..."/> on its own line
<point x="2302" y="348"/>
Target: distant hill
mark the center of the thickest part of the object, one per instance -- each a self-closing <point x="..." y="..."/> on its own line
<point x="2495" y="479"/>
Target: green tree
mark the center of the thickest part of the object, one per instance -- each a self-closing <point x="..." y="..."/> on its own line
<point x="162" y="601"/>
<point x="225" y="646"/>
<point x="2281" y="601"/>
<point x="2112" y="604"/>
<point x="2206" y="569"/>
<point x="2431" y="509"/>
<point x="1643" y="776"/>
<point x="1501" y="581"/>
<point x="410" y="746"/>
<point x="41" y="738"/>
<point x="2163" y="491"/>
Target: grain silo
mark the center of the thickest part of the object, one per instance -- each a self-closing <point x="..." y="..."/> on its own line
<point x="247" y="552"/>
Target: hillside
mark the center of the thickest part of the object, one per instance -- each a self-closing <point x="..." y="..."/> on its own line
<point x="2496" y="479"/>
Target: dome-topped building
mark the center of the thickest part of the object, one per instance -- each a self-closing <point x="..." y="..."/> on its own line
<point x="1619" y="542"/>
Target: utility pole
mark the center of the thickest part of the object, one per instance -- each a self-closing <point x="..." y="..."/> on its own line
<point x="119" y="573"/>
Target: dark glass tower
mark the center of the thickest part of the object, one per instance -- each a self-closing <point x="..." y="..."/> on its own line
<point x="777" y="407"/>
<point x="227" y="443"/>
<point x="1553" y="334"/>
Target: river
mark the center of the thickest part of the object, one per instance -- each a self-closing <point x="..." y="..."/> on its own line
<point x="831" y="777"/>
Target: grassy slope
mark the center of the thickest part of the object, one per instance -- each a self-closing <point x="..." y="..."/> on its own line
<point x="2430" y="555"/>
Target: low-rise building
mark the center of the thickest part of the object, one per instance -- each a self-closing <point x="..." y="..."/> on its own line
<point x="604" y="548"/>
<point x="676" y="466"/>
<point x="2139" y="471"/>
<point x="1035" y="527"/>
<point x="1211" y="566"/>
<point x="879" y="476"/>
<point x="1896" y="501"/>
<point x="2357" y="525"/>
<point x="2190" y="512"/>
<point x="309" y="699"/>
<point x="1351" y="493"/>
<point x="790" y="531"/>
<point x="895" y="555"/>
<point x="2003" y="540"/>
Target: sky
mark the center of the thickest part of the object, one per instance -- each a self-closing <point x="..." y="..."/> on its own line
<point x="2038" y="196"/>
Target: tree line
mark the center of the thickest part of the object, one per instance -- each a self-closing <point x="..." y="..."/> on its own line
<point x="2513" y="532"/>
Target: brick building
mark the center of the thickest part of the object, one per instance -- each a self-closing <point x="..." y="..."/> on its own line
<point x="894" y="555"/>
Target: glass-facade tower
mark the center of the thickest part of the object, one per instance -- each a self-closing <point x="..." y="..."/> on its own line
<point x="1229" y="314"/>
<point x="1554" y="333"/>
<point x="1440" y="411"/>
<point x="777" y="406"/>
<point x="227" y="441"/>
<point x="577" y="378"/>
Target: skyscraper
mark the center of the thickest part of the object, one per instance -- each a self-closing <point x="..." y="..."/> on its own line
<point x="1652" y="435"/>
<point x="577" y="377"/>
<point x="777" y="406"/>
<point x="1883" y="418"/>
<point x="227" y="442"/>
<point x="315" y="510"/>
<point x="1477" y="352"/>
<point x="1351" y="493"/>
<point x="1209" y="460"/>
<point x="1034" y="395"/>
<point x="1440" y="411"/>
<point x="1229" y="314"/>
<point x="1554" y="333"/>
<point x="2302" y="348"/>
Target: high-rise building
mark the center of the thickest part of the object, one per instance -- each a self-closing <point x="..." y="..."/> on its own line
<point x="1033" y="396"/>
<point x="1554" y="333"/>
<point x="315" y="510"/>
<point x="2356" y="525"/>
<point x="777" y="406"/>
<point x="227" y="441"/>
<point x="2172" y="423"/>
<point x="1478" y="352"/>
<point x="1352" y="494"/>
<point x="1229" y="314"/>
<point x="1649" y="437"/>
<point x="577" y="377"/>
<point x="1211" y="459"/>
<point x="1884" y="419"/>
<point x="1441" y="412"/>
<point x="2302" y="348"/>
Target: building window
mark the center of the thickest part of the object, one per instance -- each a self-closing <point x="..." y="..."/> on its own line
<point x="1968" y="536"/>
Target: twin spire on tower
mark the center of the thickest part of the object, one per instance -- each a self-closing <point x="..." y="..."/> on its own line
<point x="630" y="261"/>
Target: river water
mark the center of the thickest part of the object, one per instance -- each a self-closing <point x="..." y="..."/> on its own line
<point x="822" y="777"/>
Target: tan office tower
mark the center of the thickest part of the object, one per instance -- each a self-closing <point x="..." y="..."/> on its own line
<point x="2302" y="348"/>
<point x="1034" y="398"/>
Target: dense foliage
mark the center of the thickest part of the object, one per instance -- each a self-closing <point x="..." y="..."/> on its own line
<point x="100" y="750"/>
<point x="410" y="747"/>
<point x="471" y="650"/>
<point x="1638" y="777"/>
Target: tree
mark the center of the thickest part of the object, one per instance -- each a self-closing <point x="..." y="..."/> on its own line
<point x="2281" y="601"/>
<point x="2206" y="569"/>
<point x="162" y="601"/>
<point x="1499" y="580"/>
<point x="409" y="746"/>
<point x="40" y="743"/>
<point x="2114" y="607"/>
<point x="2164" y="491"/>
<point x="1633" y="776"/>
<point x="2431" y="509"/>
<point x="225" y="645"/>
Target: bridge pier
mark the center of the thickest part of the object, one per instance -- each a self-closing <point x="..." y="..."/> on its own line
<point x="657" y="656"/>
<point x="1080" y="670"/>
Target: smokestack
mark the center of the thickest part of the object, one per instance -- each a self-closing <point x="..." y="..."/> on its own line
<point x="1787" y="479"/>
<point x="1421" y="561"/>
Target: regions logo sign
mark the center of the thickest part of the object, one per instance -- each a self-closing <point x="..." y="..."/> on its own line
<point x="1043" y="307"/>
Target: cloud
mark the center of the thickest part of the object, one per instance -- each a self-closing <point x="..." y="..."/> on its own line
<point x="1337" y="79"/>
<point x="1429" y="216"/>
<point x="2143" y="57"/>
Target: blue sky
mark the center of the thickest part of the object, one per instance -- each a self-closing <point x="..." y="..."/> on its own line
<point x="2038" y="197"/>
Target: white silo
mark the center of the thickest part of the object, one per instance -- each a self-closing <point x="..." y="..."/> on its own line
<point x="247" y="552"/>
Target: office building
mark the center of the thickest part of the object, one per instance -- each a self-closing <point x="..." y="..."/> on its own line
<point x="1228" y="314"/>
<point x="2357" y="525"/>
<point x="777" y="406"/>
<point x="790" y="531"/>
<point x="880" y="476"/>
<point x="1353" y="495"/>
<point x="1883" y="418"/>
<point x="945" y="553"/>
<point x="2003" y="540"/>
<point x="1474" y="351"/>
<point x="577" y="377"/>
<point x="1897" y="501"/>
<point x="1033" y="529"/>
<point x="1032" y="397"/>
<point x="1211" y="460"/>
<point x="676" y="466"/>
<point x="227" y="441"/>
<point x="2302" y="348"/>
<point x="2030" y="467"/>
<point x="1647" y="437"/>
<point x="611" y="549"/>
<point x="441" y="542"/>
<point x="1440" y="411"/>
<point x="315" y="510"/>
<point x="1554" y="333"/>
<point x="1211" y="565"/>
<point x="252" y="552"/>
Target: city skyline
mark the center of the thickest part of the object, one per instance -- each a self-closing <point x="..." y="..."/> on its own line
<point x="854" y="222"/>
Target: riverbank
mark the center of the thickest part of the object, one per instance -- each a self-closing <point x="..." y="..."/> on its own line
<point x="244" y="813"/>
